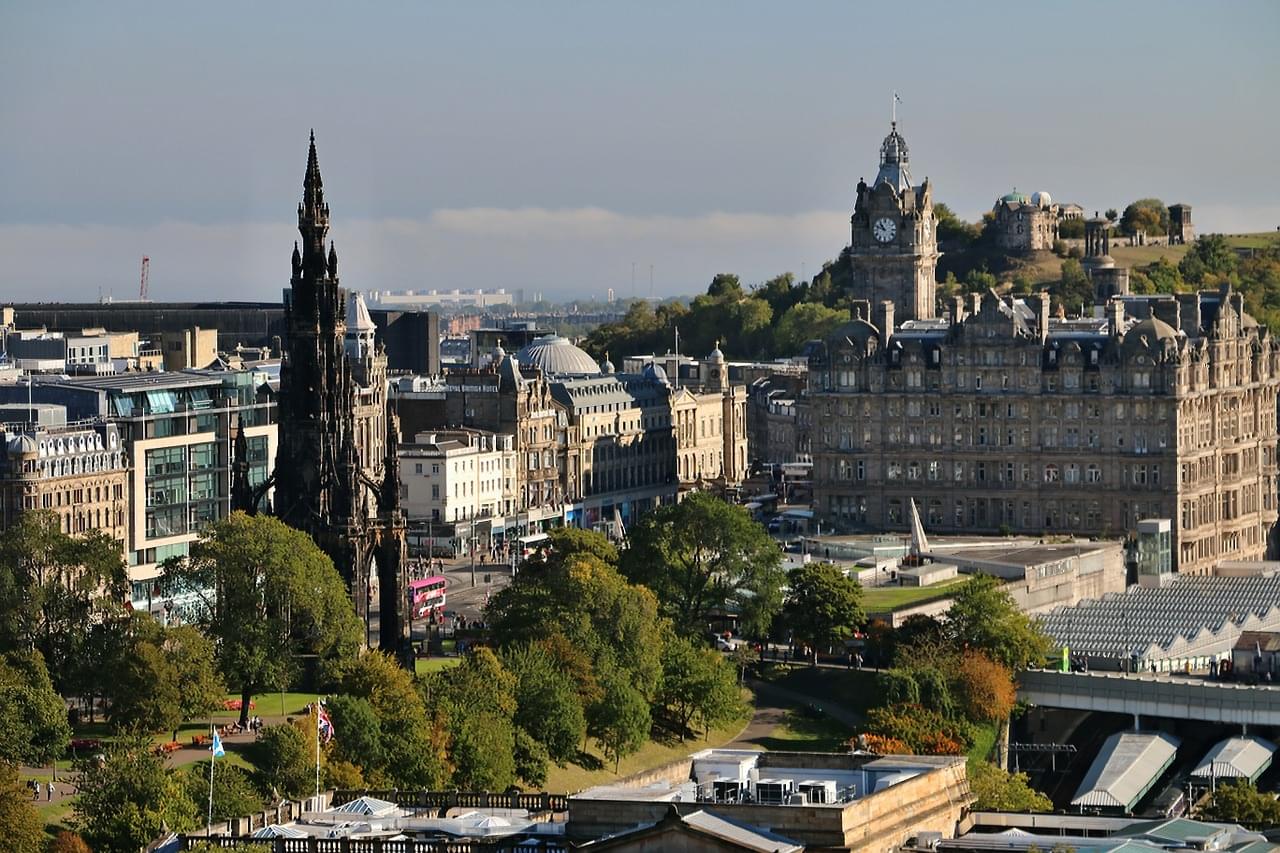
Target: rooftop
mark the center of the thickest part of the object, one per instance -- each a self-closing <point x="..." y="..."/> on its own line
<point x="1128" y="764"/>
<point x="1162" y="622"/>
<point x="1240" y="757"/>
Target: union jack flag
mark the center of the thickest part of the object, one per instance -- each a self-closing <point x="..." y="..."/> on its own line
<point x="324" y="726"/>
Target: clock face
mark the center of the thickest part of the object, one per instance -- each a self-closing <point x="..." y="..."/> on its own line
<point x="884" y="229"/>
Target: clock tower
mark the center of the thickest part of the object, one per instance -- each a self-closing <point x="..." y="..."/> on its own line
<point x="895" y="244"/>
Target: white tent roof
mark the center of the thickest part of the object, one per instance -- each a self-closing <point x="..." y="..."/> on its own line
<point x="1244" y="757"/>
<point x="275" y="830"/>
<point x="366" y="806"/>
<point x="1126" y="767"/>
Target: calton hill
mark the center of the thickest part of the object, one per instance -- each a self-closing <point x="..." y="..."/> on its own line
<point x="776" y="317"/>
<point x="592" y="664"/>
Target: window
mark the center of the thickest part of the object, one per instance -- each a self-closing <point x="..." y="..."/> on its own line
<point x="1051" y="473"/>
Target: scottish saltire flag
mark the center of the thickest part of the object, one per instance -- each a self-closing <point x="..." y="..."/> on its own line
<point x="218" y="751"/>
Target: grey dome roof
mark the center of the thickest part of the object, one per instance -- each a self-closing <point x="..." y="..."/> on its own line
<point x="606" y="366"/>
<point x="654" y="372"/>
<point x="716" y="356"/>
<point x="554" y="355"/>
<point x="22" y="444"/>
<point x="1148" y="334"/>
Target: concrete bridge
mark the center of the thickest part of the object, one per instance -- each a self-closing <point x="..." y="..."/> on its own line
<point x="1153" y="695"/>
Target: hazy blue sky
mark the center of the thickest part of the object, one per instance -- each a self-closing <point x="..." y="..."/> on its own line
<point x="549" y="145"/>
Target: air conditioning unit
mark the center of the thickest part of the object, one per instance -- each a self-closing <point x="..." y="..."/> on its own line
<point x="727" y="790"/>
<point x="819" y="790"/>
<point x="797" y="800"/>
<point x="773" y="791"/>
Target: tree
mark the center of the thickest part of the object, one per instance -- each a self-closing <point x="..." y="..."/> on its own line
<point x="804" y="322"/>
<point x="588" y="614"/>
<point x="919" y="630"/>
<point x="194" y="662"/>
<point x="1074" y="289"/>
<point x="985" y="688"/>
<point x="1111" y="215"/>
<point x="824" y="606"/>
<point x="1145" y="214"/>
<point x="704" y="554"/>
<point x="476" y="702"/>
<point x="547" y="703"/>
<point x="697" y="685"/>
<point x="270" y="595"/>
<point x="33" y="718"/>
<point x="622" y="721"/>
<point x="531" y="759"/>
<point x="128" y="796"/>
<point x="411" y="746"/>
<point x="53" y="588"/>
<point x="144" y="695"/>
<point x="924" y="730"/>
<point x="1241" y="802"/>
<point x="1210" y="259"/>
<point x="996" y="790"/>
<point x="983" y="616"/>
<point x="21" y="825"/>
<point x="234" y="794"/>
<point x="285" y="756"/>
<point x="1159" y="277"/>
<point x="1071" y="229"/>
<point x="951" y="229"/>
<point x="68" y="842"/>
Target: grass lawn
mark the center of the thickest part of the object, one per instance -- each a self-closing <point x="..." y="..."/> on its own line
<point x="597" y="771"/>
<point x="57" y="816"/>
<point x="983" y="743"/>
<point x="884" y="599"/>
<point x="852" y="689"/>
<point x="805" y="730"/>
<point x="1259" y="240"/>
<point x="424" y="665"/>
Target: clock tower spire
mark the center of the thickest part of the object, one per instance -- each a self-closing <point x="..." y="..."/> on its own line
<point x="894" y="250"/>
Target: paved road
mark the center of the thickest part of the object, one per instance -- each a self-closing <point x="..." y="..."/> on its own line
<point x="461" y="597"/>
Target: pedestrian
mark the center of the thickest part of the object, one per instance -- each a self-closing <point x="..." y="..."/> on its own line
<point x="34" y="787"/>
<point x="51" y="789"/>
<point x="858" y="660"/>
<point x="850" y="660"/>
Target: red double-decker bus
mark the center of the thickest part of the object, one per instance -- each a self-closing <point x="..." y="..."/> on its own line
<point x="426" y="596"/>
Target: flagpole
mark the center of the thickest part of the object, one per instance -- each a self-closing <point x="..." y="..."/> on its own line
<point x="317" y="753"/>
<point x="208" y="827"/>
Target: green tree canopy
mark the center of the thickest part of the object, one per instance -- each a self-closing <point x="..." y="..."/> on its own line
<point x="272" y="594"/>
<point x="824" y="607"/>
<point x="144" y="694"/>
<point x="21" y="826"/>
<point x="996" y="790"/>
<point x="804" y="322"/>
<point x="622" y="720"/>
<point x="476" y="702"/>
<point x="953" y="230"/>
<point x="1073" y="290"/>
<point x="1210" y="259"/>
<point x="548" y="705"/>
<point x="33" y="718"/>
<point x="591" y="617"/>
<point x="1241" y="802"/>
<point x="703" y="555"/>
<point x="128" y="796"/>
<point x="410" y="749"/>
<point x="1146" y="214"/>
<point x="984" y="617"/>
<point x="285" y="757"/>
<point x="234" y="793"/>
<point x="53" y="588"/>
<point x="698" y="686"/>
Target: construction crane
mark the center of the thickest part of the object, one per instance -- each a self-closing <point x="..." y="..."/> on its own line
<point x="146" y="271"/>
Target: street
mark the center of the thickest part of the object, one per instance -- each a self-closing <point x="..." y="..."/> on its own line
<point x="461" y="597"/>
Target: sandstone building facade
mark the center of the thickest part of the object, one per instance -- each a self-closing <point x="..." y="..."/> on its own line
<point x="997" y="417"/>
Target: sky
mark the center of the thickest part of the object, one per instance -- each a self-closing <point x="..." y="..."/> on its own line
<point x="558" y="146"/>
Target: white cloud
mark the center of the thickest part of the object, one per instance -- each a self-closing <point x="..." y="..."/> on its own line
<point x="563" y="253"/>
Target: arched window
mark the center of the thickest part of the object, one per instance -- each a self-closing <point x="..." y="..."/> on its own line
<point x="1051" y="473"/>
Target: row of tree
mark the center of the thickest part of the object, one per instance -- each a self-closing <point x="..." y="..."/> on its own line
<point x="947" y="681"/>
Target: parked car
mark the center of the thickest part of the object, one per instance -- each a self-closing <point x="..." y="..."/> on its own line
<point x="724" y="645"/>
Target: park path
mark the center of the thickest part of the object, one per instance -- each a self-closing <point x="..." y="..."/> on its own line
<point x="772" y="705"/>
